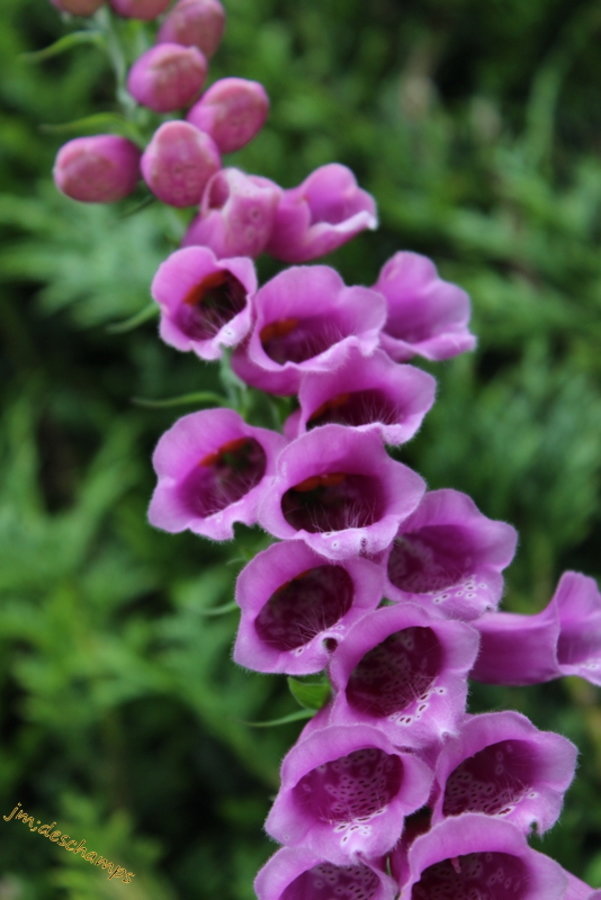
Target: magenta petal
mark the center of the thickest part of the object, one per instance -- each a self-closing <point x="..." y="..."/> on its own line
<point x="369" y="393"/>
<point x="449" y="555"/>
<point x="205" y="302"/>
<point x="307" y="321"/>
<point x="339" y="491"/>
<point x="297" y="606"/>
<point x="213" y="469"/>
<point x="167" y="77"/>
<point x="319" y="215"/>
<point x="295" y="873"/>
<point x="231" y="111"/>
<point x="426" y="315"/>
<point x="344" y="792"/>
<point x="502" y="765"/>
<point x="480" y="856"/>
<point x="404" y="671"/>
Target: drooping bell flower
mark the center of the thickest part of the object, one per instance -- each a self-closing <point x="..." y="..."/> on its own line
<point x="232" y="111"/>
<point x="295" y="873"/>
<point x="78" y="7"/>
<point x="178" y="163"/>
<point x="321" y="214"/>
<point x="212" y="469"/>
<point x="205" y="302"/>
<point x="306" y="320"/>
<point x="167" y="77"/>
<point x="101" y="168"/>
<point x="476" y="856"/>
<point x="339" y="491"/>
<point x="140" y="9"/>
<point x="368" y="393"/>
<point x="297" y="606"/>
<point x="344" y="793"/>
<point x="562" y="639"/>
<point x="502" y="765"/>
<point x="236" y="214"/>
<point x="403" y="671"/>
<point x="194" y="23"/>
<point x="426" y="315"/>
<point x="448" y="554"/>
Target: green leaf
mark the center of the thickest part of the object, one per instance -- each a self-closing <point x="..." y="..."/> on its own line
<point x="309" y="694"/>
<point x="93" y="124"/>
<point x="297" y="716"/>
<point x="197" y="398"/>
<point x="150" y="311"/>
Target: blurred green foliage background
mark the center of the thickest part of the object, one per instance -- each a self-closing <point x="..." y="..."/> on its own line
<point x="477" y="127"/>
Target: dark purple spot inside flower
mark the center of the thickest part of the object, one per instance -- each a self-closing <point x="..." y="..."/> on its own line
<point x="355" y="408"/>
<point x="305" y="606"/>
<point x="210" y="305"/>
<point x="432" y="558"/>
<point x="223" y="477"/>
<point x="492" y="780"/>
<point x="352" y="787"/>
<point x="326" y="881"/>
<point x="296" y="340"/>
<point x="397" y="674"/>
<point x="490" y="876"/>
<point x="332" y="502"/>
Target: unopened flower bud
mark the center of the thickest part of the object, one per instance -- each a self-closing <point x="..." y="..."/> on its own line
<point x="98" y="169"/>
<point x="178" y="162"/>
<point x="78" y="7"/>
<point x="167" y="77"/>
<point x="232" y="111"/>
<point x="140" y="9"/>
<point x="194" y="23"/>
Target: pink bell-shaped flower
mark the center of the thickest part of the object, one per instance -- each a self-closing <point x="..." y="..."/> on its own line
<point x="78" y="7"/>
<point x="426" y="315"/>
<point x="205" y="302"/>
<point x="448" y="555"/>
<point x="321" y="214"/>
<point x="344" y="793"/>
<point x="212" y="469"/>
<point x="139" y="9"/>
<point x="297" y="606"/>
<point x="339" y="491"/>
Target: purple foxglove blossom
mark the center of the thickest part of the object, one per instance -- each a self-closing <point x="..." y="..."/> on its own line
<point x="502" y="765"/>
<point x="232" y="111"/>
<point x="345" y="791"/>
<point x="339" y="491"/>
<point x="321" y="214"/>
<point x="139" y="9"/>
<point x="102" y="168"/>
<point x="403" y="671"/>
<point x="306" y="320"/>
<point x="194" y="23"/>
<point x="178" y="163"/>
<point x="212" y="469"/>
<point x="578" y="890"/>
<point x="562" y="639"/>
<point x="78" y="7"/>
<point x="297" y="606"/>
<point x="478" y="856"/>
<point x="368" y="393"/>
<point x="236" y="214"/>
<point x="448" y="554"/>
<point x="294" y="873"/>
<point x="205" y="302"/>
<point x="426" y="315"/>
<point x="167" y="77"/>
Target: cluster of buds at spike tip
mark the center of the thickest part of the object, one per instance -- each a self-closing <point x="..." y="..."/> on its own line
<point x="393" y="790"/>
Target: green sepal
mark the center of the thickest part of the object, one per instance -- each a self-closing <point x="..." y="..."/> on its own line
<point x="310" y="694"/>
